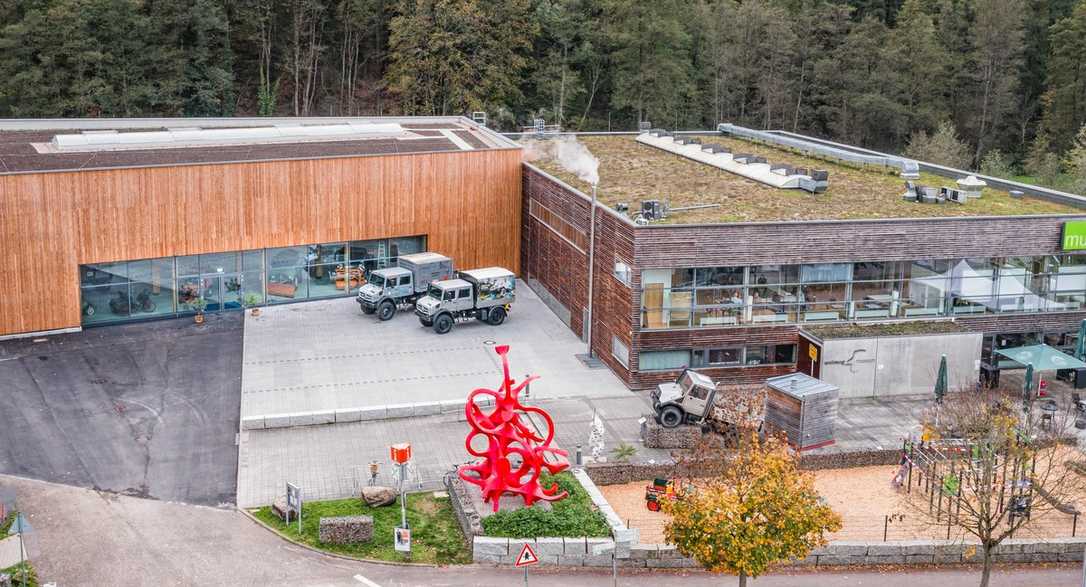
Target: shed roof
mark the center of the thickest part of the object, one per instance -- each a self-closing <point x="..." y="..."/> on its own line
<point x="800" y="385"/>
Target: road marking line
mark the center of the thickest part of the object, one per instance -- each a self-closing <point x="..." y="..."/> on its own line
<point x="365" y="581"/>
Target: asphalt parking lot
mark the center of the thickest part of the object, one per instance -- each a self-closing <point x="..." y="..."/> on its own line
<point x="149" y="410"/>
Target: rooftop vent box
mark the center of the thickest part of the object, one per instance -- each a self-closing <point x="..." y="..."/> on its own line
<point x="820" y="175"/>
<point x="644" y="125"/>
<point x="742" y="158"/>
<point x="652" y="209"/>
<point x="782" y="169"/>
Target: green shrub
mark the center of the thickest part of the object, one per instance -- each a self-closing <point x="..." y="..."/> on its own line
<point x="572" y="516"/>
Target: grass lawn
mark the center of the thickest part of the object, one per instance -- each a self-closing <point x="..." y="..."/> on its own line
<point x="572" y="516"/>
<point x="435" y="535"/>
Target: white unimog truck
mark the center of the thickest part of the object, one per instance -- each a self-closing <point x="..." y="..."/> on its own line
<point x="392" y="288"/>
<point x="482" y="294"/>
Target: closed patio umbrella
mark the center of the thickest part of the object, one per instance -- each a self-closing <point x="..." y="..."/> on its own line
<point x="1080" y="344"/>
<point x="940" y="381"/>
<point x="1027" y="387"/>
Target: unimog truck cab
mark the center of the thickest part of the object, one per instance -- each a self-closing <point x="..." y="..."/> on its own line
<point x="387" y="290"/>
<point x="689" y="399"/>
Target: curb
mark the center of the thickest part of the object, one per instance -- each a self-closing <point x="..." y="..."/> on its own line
<point x="345" y="557"/>
<point x="352" y="415"/>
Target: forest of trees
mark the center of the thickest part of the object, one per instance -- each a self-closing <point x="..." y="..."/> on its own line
<point x="998" y="84"/>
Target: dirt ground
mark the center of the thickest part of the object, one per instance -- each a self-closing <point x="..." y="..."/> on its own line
<point x="630" y="172"/>
<point x="862" y="496"/>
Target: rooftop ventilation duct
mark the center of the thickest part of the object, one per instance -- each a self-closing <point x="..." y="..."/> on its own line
<point x="178" y="138"/>
<point x="909" y="168"/>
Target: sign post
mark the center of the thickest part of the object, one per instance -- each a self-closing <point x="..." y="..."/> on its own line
<point x="401" y="455"/>
<point x="525" y="559"/>
<point x="294" y="503"/>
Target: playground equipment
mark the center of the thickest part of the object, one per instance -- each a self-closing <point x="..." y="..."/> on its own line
<point x="508" y="436"/>
<point x="941" y="470"/>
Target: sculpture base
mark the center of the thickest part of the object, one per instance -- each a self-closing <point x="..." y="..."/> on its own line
<point x="508" y="502"/>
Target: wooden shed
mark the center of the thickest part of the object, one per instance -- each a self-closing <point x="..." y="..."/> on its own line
<point x="803" y="408"/>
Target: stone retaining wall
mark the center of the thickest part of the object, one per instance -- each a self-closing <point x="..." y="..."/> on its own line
<point x="598" y="552"/>
<point x="656" y="436"/>
<point x="849" y="459"/>
<point x="471" y="523"/>
<point x="619" y="473"/>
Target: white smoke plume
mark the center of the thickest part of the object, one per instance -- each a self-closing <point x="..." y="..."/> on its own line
<point x="568" y="152"/>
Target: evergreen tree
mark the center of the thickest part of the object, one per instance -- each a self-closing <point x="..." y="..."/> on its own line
<point x="1065" y="99"/>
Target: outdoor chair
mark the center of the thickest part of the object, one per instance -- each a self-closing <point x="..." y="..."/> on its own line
<point x="1076" y="398"/>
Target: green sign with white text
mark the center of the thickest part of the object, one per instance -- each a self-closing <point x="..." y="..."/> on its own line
<point x="1074" y="235"/>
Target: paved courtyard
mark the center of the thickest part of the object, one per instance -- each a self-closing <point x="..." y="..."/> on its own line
<point x="327" y="355"/>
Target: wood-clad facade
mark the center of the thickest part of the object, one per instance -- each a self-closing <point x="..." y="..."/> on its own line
<point x="466" y="203"/>
<point x="560" y="266"/>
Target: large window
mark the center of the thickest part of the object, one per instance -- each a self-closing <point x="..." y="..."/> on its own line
<point x="132" y="290"/>
<point x="831" y="292"/>
<point x="736" y="356"/>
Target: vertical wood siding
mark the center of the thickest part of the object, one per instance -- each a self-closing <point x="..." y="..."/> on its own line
<point x="467" y="203"/>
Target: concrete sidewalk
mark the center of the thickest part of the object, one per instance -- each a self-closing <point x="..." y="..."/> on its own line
<point x="327" y="357"/>
<point x="331" y="462"/>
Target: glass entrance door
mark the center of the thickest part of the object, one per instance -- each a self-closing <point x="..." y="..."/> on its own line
<point x="211" y="291"/>
<point x="231" y="291"/>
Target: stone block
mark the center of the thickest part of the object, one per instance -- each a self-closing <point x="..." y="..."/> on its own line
<point x="597" y="560"/>
<point x="488" y="545"/>
<point x="1011" y="546"/>
<point x="549" y="546"/>
<point x="667" y="551"/>
<point x="946" y="559"/>
<point x="912" y="547"/>
<point x="399" y="411"/>
<point x="885" y="549"/>
<point x="349" y="415"/>
<point x="1073" y="544"/>
<point x="949" y="547"/>
<point x="665" y="563"/>
<point x="377" y="495"/>
<point x="277" y="421"/>
<point x="848" y="548"/>
<point x="548" y="560"/>
<point x="279" y="508"/>
<point x="644" y="551"/>
<point x="886" y="559"/>
<point x="808" y="561"/>
<point x="490" y="559"/>
<point x="571" y="560"/>
<point x="375" y="413"/>
<point x="575" y="547"/>
<point x="1044" y="557"/>
<point x="919" y="559"/>
<point x="252" y="423"/>
<point x="515" y="546"/>
<point x="427" y="409"/>
<point x="322" y="417"/>
<point x="1041" y="545"/>
<point x="595" y="546"/>
<point x="345" y="530"/>
<point x="451" y="406"/>
<point x="1011" y="557"/>
<point x="833" y="560"/>
<point x="1070" y="556"/>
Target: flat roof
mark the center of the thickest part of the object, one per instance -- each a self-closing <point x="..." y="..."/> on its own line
<point x="631" y="172"/>
<point x="26" y="146"/>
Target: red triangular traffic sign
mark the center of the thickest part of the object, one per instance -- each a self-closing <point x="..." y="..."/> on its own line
<point x="526" y="557"/>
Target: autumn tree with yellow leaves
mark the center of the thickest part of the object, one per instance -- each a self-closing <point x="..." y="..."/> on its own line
<point x="757" y="510"/>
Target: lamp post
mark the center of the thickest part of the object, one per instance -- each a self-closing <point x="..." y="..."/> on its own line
<point x="591" y="264"/>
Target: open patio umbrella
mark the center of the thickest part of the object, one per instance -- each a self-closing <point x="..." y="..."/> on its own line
<point x="940" y="381"/>
<point x="1080" y="344"/>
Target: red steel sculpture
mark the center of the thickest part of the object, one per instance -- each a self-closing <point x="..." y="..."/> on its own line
<point x="507" y="435"/>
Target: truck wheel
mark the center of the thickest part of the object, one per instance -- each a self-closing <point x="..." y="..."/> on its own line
<point x="443" y="324"/>
<point x="671" y="416"/>
<point x="386" y="310"/>
<point x="497" y="316"/>
<point x="366" y="310"/>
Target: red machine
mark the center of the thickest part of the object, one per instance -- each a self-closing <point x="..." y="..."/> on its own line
<point x="660" y="489"/>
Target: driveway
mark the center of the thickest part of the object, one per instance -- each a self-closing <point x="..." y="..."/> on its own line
<point x="149" y="410"/>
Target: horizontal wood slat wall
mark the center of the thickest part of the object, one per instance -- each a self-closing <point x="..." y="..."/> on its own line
<point x="468" y="203"/>
<point x="661" y="247"/>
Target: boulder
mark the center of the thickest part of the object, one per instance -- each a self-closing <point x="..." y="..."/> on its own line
<point x="377" y="495"/>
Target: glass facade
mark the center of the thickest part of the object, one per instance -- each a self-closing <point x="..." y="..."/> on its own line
<point x="828" y="292"/>
<point x="149" y="288"/>
<point x="737" y="356"/>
